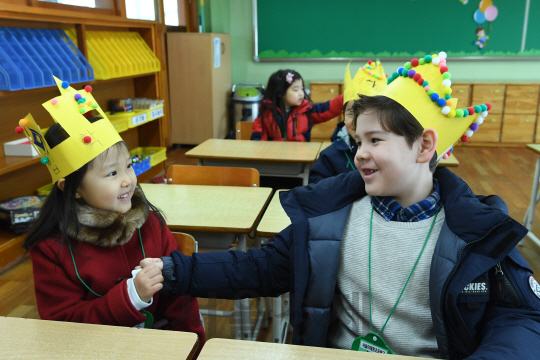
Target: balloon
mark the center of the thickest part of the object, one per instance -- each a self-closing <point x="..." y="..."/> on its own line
<point x="484" y="4"/>
<point x="491" y="13"/>
<point x="479" y="17"/>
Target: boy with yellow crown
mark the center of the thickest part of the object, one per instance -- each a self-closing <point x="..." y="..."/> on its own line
<point x="339" y="157"/>
<point x="96" y="225"/>
<point x="399" y="257"/>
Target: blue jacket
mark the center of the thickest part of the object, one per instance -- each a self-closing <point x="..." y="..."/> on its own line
<point x="335" y="159"/>
<point x="304" y="260"/>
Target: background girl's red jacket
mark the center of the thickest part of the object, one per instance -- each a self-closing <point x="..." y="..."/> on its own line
<point x="298" y="123"/>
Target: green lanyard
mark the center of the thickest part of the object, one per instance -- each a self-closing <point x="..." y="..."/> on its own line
<point x="149" y="317"/>
<point x="349" y="163"/>
<point x="404" y="286"/>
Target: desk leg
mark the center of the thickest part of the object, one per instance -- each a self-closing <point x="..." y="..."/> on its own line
<point x="281" y="318"/>
<point x="305" y="174"/>
<point x="200" y="162"/>
<point x="244" y="303"/>
<point x="535" y="198"/>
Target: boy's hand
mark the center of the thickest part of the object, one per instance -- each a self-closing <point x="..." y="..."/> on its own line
<point x="148" y="282"/>
<point x="152" y="261"/>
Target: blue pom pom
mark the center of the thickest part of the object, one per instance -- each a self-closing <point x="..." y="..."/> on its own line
<point x="441" y="102"/>
<point x="65" y="84"/>
<point x="434" y="97"/>
<point x="400" y="70"/>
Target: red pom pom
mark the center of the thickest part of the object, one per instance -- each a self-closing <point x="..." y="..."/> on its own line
<point x="488" y="106"/>
<point x="87" y="139"/>
<point x="19" y="130"/>
<point x="386" y="75"/>
<point x="448" y="153"/>
<point x="88" y="88"/>
<point x="465" y="138"/>
<point x="416" y="76"/>
<point x="471" y="110"/>
<point x="444" y="69"/>
<point x="414" y="62"/>
<point x="420" y="81"/>
<point x="369" y="62"/>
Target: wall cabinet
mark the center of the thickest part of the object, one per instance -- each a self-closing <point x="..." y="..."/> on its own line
<point x="200" y="86"/>
<point x="322" y="92"/>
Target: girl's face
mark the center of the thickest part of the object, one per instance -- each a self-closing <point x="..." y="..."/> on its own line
<point x="110" y="181"/>
<point x="295" y="94"/>
<point x="349" y="118"/>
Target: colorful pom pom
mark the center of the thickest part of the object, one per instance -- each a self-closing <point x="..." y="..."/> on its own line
<point x="411" y="73"/>
<point x="421" y="61"/>
<point x="488" y="106"/>
<point x="441" y="102"/>
<point x="484" y="114"/>
<point x="430" y="92"/>
<point x="446" y="75"/>
<point x="479" y="120"/>
<point x="87" y="139"/>
<point x="19" y="130"/>
<point x="369" y="62"/>
<point x="446" y="156"/>
<point x="82" y="110"/>
<point x="44" y="160"/>
<point x="459" y="113"/>
<point x="449" y="102"/>
<point x="54" y="101"/>
<point x="65" y="84"/>
<point x="447" y="90"/>
<point x="400" y="70"/>
<point x="447" y="96"/>
<point x="425" y="83"/>
<point x="477" y="109"/>
<point x="408" y="65"/>
<point x="465" y="138"/>
<point x="434" y="96"/>
<point x="416" y="76"/>
<point x="23" y="122"/>
<point x="436" y="61"/>
<point x="447" y="83"/>
<point x="88" y="88"/>
<point x="395" y="75"/>
<point x="474" y="126"/>
<point x="442" y="55"/>
<point x="452" y="114"/>
<point x="426" y="87"/>
<point x="94" y="106"/>
<point x="445" y="110"/>
<point x="420" y="81"/>
<point x="427" y="58"/>
<point x="404" y="72"/>
<point x="81" y="101"/>
<point x="469" y="133"/>
<point x="471" y="110"/>
<point x="484" y="107"/>
<point x="78" y="96"/>
<point x="414" y="62"/>
<point x="443" y="69"/>
<point x="465" y="113"/>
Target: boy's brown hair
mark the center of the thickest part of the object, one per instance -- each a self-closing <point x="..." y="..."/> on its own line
<point x="393" y="117"/>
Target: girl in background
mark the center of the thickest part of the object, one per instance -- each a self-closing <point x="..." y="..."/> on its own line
<point x="287" y="113"/>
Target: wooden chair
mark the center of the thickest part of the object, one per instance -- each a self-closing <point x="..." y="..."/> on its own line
<point x="243" y="130"/>
<point x="212" y="175"/>
<point x="186" y="243"/>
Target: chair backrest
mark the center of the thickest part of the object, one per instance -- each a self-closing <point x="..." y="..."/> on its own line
<point x="186" y="243"/>
<point x="212" y="175"/>
<point x="243" y="130"/>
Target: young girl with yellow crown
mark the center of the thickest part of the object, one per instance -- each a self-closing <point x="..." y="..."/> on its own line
<point x="96" y="226"/>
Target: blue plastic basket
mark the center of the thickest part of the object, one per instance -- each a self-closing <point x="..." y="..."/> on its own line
<point x="86" y="73"/>
<point x="14" y="78"/>
<point x="142" y="166"/>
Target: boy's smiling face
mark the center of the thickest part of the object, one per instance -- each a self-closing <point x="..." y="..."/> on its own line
<point x="386" y="162"/>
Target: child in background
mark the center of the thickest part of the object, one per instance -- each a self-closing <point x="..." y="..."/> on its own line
<point x="285" y="98"/>
<point x="96" y="225"/>
<point x="339" y="157"/>
<point x="399" y="257"/>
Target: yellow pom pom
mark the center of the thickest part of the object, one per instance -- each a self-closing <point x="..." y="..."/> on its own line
<point x="452" y="113"/>
<point x="23" y="122"/>
<point x="447" y="90"/>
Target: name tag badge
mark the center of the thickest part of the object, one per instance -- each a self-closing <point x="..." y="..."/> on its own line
<point x="371" y="342"/>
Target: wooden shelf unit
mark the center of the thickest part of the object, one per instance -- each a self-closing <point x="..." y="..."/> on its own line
<point x="21" y="176"/>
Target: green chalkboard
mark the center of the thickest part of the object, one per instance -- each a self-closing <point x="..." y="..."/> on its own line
<point x="336" y="29"/>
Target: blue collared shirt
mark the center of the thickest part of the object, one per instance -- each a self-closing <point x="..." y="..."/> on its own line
<point x="391" y="210"/>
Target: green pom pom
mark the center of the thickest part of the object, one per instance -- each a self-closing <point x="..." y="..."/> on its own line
<point x="395" y="74"/>
<point x="459" y="113"/>
<point x="484" y="107"/>
<point x="95" y="106"/>
<point x="477" y="109"/>
<point x="425" y="83"/>
<point x="447" y="97"/>
<point x="421" y="61"/>
<point x="44" y="160"/>
<point x="82" y="110"/>
<point x="408" y="66"/>
<point x="446" y="75"/>
<point x="404" y="72"/>
<point x="427" y="58"/>
<point x="465" y="113"/>
<point x="430" y="91"/>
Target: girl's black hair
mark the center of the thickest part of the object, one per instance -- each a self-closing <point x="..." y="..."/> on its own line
<point x="274" y="98"/>
<point x="59" y="209"/>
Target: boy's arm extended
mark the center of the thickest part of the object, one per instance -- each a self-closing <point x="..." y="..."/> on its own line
<point x="232" y="274"/>
<point x="327" y="110"/>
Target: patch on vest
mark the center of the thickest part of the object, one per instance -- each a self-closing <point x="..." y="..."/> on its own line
<point x="476" y="288"/>
<point x="535" y="287"/>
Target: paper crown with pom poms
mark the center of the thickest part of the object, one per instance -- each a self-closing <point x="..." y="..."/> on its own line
<point x="369" y="80"/>
<point x="423" y="87"/>
<point x="86" y="140"/>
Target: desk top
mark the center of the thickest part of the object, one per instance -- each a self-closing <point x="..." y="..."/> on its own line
<point x="282" y="151"/>
<point x="240" y="349"/>
<point x="42" y="339"/>
<point x="228" y="209"/>
<point x="274" y="219"/>
<point x="450" y="162"/>
<point x="534" y="147"/>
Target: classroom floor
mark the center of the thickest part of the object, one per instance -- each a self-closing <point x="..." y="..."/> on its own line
<point x="507" y="172"/>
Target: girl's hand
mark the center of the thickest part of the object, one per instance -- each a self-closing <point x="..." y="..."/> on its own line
<point x="152" y="261"/>
<point x="148" y="282"/>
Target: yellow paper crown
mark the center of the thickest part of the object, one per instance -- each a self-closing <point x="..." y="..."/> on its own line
<point x="369" y="80"/>
<point x="423" y="87"/>
<point x="86" y="140"/>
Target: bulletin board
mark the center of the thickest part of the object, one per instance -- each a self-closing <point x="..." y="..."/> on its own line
<point x="323" y="30"/>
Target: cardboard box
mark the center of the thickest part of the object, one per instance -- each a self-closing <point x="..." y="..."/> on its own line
<point x="21" y="147"/>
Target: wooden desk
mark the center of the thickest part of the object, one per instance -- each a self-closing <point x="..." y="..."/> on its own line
<point x="535" y="198"/>
<point x="243" y="350"/>
<point x="323" y="146"/>
<point x="450" y="162"/>
<point x="271" y="158"/>
<point x="274" y="219"/>
<point x="41" y="339"/>
<point x="217" y="209"/>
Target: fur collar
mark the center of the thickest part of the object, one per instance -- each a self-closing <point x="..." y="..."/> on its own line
<point x="108" y="228"/>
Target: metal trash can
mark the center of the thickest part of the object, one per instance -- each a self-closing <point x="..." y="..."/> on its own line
<point x="246" y="99"/>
